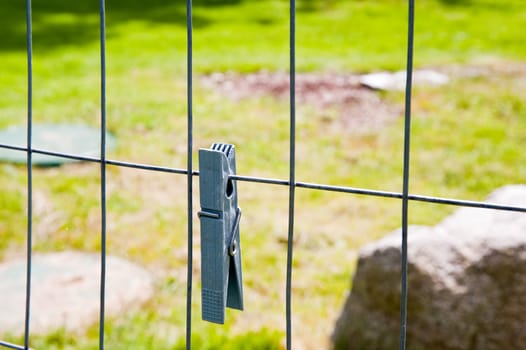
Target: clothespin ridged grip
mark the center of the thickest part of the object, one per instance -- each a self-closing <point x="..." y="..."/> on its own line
<point x="221" y="277"/>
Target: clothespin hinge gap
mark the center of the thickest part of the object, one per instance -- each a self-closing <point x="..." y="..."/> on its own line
<point x="232" y="250"/>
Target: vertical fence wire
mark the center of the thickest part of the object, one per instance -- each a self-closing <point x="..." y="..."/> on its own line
<point x="189" y="174"/>
<point x="405" y="190"/>
<point x="29" y="39"/>
<point x="292" y="174"/>
<point x="102" y="170"/>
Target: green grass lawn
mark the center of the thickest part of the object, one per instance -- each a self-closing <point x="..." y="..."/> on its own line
<point x="467" y="140"/>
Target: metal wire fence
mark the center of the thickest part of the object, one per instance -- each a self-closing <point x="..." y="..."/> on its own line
<point x="404" y="196"/>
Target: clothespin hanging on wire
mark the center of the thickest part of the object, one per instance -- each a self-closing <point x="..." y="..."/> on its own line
<point x="221" y="277"/>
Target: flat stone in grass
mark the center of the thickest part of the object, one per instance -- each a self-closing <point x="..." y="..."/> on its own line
<point x="396" y="81"/>
<point x="66" y="291"/>
<point x="79" y="140"/>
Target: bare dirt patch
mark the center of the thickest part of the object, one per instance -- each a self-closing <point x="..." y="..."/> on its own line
<point x="358" y="108"/>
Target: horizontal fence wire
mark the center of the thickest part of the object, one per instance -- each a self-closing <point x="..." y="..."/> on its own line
<point x="11" y="346"/>
<point x="283" y="182"/>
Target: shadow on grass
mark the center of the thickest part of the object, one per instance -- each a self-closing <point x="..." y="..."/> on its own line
<point x="61" y="23"/>
<point x="501" y="6"/>
<point x="313" y="5"/>
<point x="457" y="2"/>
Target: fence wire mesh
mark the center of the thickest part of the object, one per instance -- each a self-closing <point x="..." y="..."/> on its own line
<point x="190" y="173"/>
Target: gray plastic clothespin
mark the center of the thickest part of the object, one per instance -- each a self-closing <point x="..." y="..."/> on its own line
<point x="221" y="278"/>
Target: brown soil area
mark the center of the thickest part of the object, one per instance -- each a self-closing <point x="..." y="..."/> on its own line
<point x="359" y="108"/>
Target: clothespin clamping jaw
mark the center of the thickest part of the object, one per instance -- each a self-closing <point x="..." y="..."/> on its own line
<point x="221" y="276"/>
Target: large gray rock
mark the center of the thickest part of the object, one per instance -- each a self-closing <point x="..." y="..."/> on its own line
<point x="467" y="284"/>
<point x="65" y="291"/>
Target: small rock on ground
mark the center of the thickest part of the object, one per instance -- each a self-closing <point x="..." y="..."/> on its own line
<point x="65" y="291"/>
<point x="396" y="81"/>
